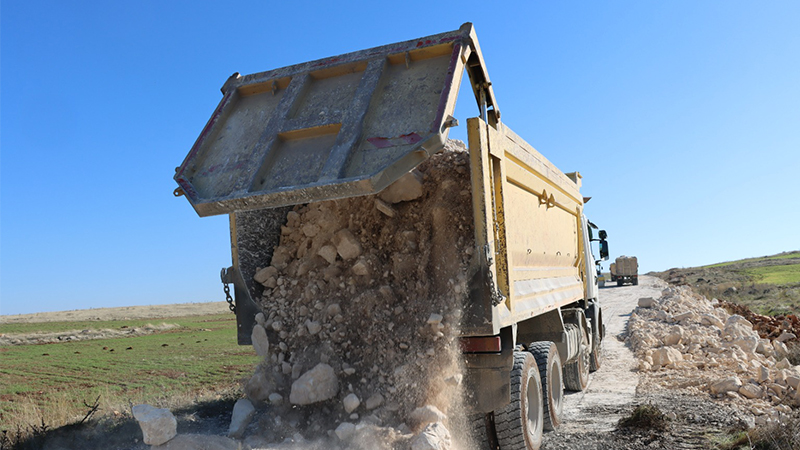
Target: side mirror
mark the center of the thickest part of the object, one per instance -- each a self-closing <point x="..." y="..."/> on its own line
<point x="603" y="234"/>
<point x="604" y="250"/>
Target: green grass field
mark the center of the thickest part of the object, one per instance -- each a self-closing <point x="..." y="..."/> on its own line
<point x="197" y="360"/>
<point x="768" y="285"/>
<point x="778" y="257"/>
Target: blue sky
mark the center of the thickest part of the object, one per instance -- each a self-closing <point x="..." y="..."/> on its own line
<point x="682" y="116"/>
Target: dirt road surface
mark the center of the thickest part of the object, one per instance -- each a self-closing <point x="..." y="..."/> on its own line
<point x="612" y="388"/>
<point x="591" y="417"/>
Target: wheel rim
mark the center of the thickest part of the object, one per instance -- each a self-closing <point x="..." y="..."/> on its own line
<point x="534" y="408"/>
<point x="556" y="388"/>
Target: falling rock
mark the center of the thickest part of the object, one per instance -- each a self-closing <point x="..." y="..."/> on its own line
<point x="351" y="402"/>
<point x="259" y="386"/>
<point x="265" y="274"/>
<point x="260" y="340"/>
<point x="406" y="188"/>
<point x="435" y="319"/>
<point x="346" y="244"/>
<point x="316" y="385"/>
<point x="434" y="437"/>
<point x="425" y="415"/>
<point x="360" y="268"/>
<point x="750" y="391"/>
<point x="328" y="253"/>
<point x="385" y="208"/>
<point x="786" y="336"/>
<point x="158" y="425"/>
<point x="200" y="442"/>
<point x="647" y="302"/>
<point x="665" y="356"/>
<point x="310" y="229"/>
<point x="243" y="412"/>
<point x="374" y="401"/>
<point x="454" y="380"/>
<point x="275" y="398"/>
<point x="730" y="384"/>
<point x="345" y="431"/>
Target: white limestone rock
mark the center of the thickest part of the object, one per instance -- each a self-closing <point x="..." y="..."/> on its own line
<point x="259" y="386"/>
<point x="374" y="401"/>
<point x="351" y="403"/>
<point x="674" y="336"/>
<point x="786" y="336"/>
<point x="647" y="302"/>
<point x="260" y="340"/>
<point x="316" y="385"/>
<point x="158" y="425"/>
<point x="425" y="415"/>
<point x="711" y="320"/>
<point x="406" y="188"/>
<point x="385" y="208"/>
<point x="243" y="411"/>
<point x="275" y="398"/>
<point x="780" y="349"/>
<point x="434" y="437"/>
<point x="665" y="356"/>
<point x="345" y="431"/>
<point x="730" y="384"/>
<point x="346" y="244"/>
<point x="750" y="391"/>
<point x="328" y="253"/>
<point x="265" y="274"/>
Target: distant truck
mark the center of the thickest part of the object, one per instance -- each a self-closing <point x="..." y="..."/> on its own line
<point x="625" y="269"/>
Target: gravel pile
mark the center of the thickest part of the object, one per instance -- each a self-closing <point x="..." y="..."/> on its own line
<point x="685" y="341"/>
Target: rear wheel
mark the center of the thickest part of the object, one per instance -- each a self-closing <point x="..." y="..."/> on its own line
<point x="483" y="432"/>
<point x="635" y="281"/>
<point x="519" y="424"/>
<point x="619" y="282"/>
<point x="549" y="362"/>
<point x="576" y="373"/>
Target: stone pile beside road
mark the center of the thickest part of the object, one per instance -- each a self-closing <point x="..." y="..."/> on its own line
<point x="684" y="340"/>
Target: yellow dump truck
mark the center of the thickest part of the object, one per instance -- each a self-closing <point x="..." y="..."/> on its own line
<point x="351" y="125"/>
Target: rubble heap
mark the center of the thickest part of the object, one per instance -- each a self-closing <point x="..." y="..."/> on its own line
<point x="685" y="341"/>
<point x="361" y="304"/>
<point x="768" y="327"/>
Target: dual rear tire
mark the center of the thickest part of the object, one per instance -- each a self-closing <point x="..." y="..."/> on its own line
<point x="537" y="402"/>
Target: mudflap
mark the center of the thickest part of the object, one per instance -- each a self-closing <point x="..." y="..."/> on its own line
<point x="487" y="381"/>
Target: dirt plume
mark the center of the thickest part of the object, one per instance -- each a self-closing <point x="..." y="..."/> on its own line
<point x="364" y="296"/>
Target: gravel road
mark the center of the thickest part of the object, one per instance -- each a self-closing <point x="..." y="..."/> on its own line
<point x="612" y="388"/>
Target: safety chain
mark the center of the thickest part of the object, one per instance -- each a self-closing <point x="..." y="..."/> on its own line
<point x="227" y="289"/>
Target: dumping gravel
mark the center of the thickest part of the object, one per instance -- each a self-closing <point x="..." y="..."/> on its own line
<point x="361" y="304"/>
